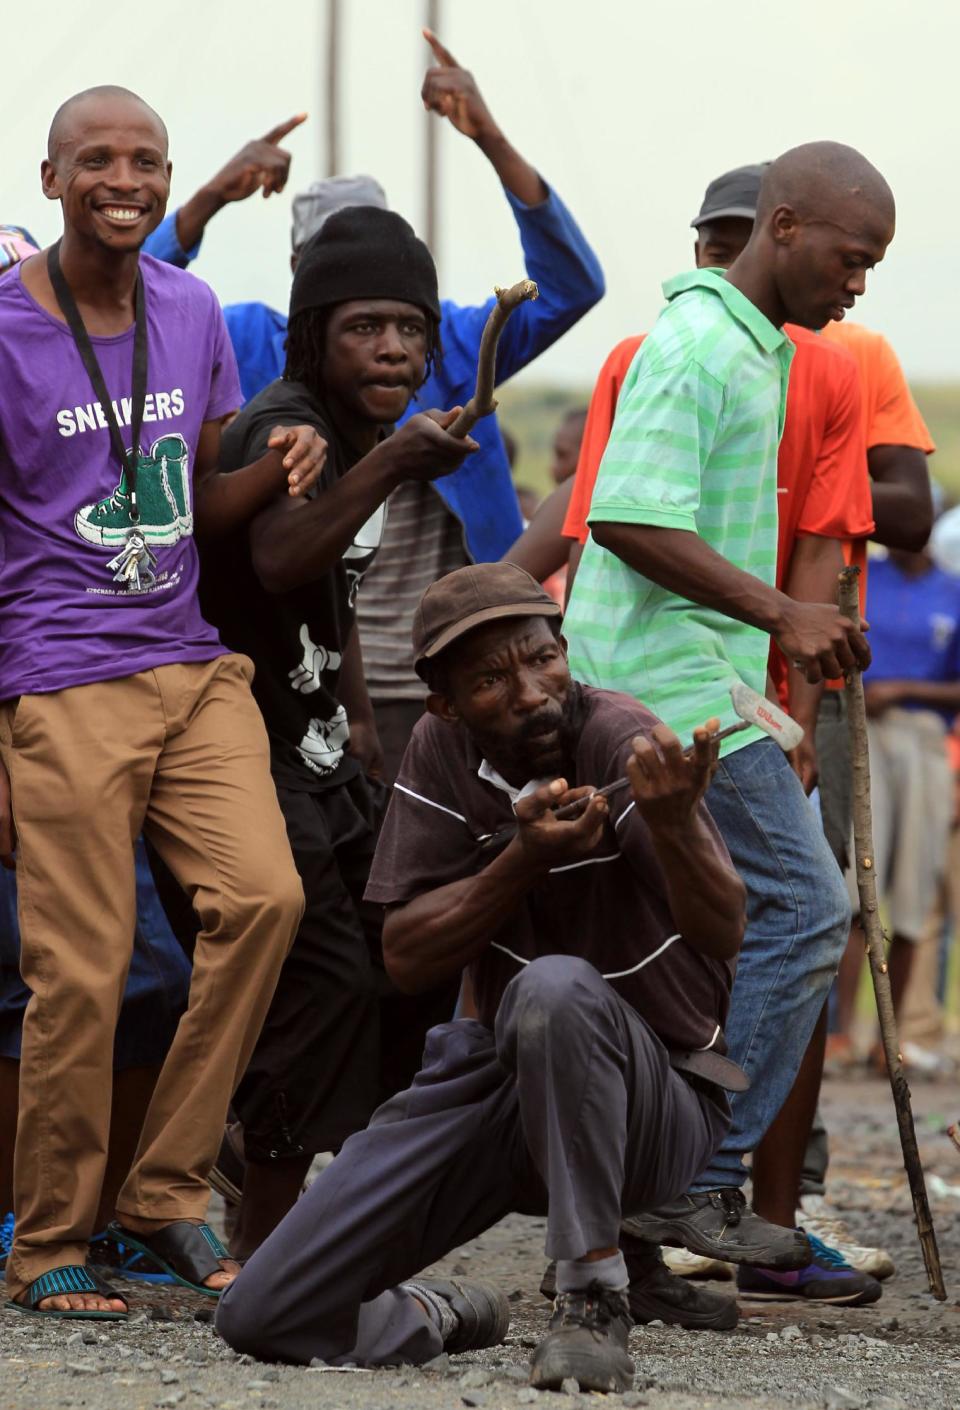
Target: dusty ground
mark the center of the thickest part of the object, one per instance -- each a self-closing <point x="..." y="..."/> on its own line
<point x="901" y="1354"/>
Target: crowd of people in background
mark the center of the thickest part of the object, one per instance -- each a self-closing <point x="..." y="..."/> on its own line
<point x="304" y="703"/>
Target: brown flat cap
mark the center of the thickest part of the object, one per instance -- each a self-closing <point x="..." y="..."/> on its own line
<point x="468" y="598"/>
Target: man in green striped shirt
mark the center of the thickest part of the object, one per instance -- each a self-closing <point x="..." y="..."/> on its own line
<point x="693" y="448"/>
<point x="674" y="600"/>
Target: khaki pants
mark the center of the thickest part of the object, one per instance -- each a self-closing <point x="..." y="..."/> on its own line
<point x="180" y="753"/>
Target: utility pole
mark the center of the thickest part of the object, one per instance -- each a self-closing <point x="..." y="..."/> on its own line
<point x="432" y="172"/>
<point x="332" y="95"/>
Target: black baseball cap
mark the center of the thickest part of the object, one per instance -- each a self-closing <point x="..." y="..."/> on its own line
<point x="735" y="193"/>
<point x="469" y="597"/>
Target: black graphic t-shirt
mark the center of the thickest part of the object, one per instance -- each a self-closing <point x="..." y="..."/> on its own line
<point x="296" y="639"/>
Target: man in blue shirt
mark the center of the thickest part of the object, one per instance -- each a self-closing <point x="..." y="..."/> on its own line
<point x="473" y="514"/>
<point x="912" y="696"/>
<point x="556" y="255"/>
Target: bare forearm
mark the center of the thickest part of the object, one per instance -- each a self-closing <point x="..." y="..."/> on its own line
<point x="432" y="937"/>
<point x="352" y="684"/>
<point x="541" y="549"/>
<point x="939" y="695"/>
<point x="706" y="896"/>
<point x="815" y="566"/>
<point x="290" y="549"/>
<point x="223" y="503"/>
<point x="521" y="179"/>
<point x="902" y="504"/>
<point x="683" y="563"/>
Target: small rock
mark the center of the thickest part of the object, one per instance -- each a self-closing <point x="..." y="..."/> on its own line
<point x="569" y="1386"/>
<point x="440" y="1364"/>
<point x="527" y="1396"/>
<point x="892" y="1324"/>
<point x="89" y="1336"/>
<point x="529" y="1341"/>
<point x="791" y="1334"/>
<point x="75" y="1339"/>
<point x="655" y="1323"/>
<point x="169" y="1401"/>
<point x="270" y="1373"/>
<point x="473" y="1397"/>
<point x="317" y="1361"/>
<point x="137" y="1320"/>
<point x="169" y="1378"/>
<point x="514" y="1373"/>
<point x="516" y="1295"/>
<point x="258" y="1385"/>
<point x="475" y="1378"/>
<point x="203" y="1314"/>
<point x="83" y="1368"/>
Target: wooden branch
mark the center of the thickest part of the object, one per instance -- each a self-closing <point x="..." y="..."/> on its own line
<point x="870" y="920"/>
<point x="483" y="401"/>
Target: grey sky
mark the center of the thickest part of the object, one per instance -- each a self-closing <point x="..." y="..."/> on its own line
<point x="628" y="107"/>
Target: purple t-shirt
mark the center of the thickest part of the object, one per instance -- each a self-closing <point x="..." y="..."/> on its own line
<point x="64" y="506"/>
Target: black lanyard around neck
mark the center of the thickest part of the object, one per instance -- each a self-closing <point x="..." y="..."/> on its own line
<point x="81" y="337"/>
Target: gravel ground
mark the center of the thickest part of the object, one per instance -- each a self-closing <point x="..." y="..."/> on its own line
<point x="901" y="1354"/>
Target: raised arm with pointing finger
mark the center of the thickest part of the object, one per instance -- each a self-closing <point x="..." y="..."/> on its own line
<point x="555" y="255"/>
<point x="260" y="165"/>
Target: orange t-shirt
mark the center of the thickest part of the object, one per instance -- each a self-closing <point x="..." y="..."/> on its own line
<point x="822" y="483"/>
<point x="889" y="415"/>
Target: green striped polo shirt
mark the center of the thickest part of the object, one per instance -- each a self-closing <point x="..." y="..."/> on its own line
<point x="694" y="447"/>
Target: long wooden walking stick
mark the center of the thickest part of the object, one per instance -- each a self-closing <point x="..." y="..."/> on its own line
<point x="483" y="401"/>
<point x="870" y="920"/>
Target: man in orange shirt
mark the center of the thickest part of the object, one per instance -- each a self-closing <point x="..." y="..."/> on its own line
<point x="824" y="499"/>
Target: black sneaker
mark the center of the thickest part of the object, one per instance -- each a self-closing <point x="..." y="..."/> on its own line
<point x="587" y="1342"/>
<point x="720" y="1224"/>
<point x="655" y="1294"/>
<point x="482" y="1312"/>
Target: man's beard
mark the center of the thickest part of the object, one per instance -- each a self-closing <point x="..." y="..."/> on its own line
<point x="521" y="757"/>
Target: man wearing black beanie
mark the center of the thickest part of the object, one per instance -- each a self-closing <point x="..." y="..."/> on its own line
<point x="363" y="335"/>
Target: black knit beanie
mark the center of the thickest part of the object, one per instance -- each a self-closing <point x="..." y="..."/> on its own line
<point x="361" y="252"/>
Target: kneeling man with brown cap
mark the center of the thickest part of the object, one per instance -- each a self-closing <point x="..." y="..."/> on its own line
<point x="600" y="952"/>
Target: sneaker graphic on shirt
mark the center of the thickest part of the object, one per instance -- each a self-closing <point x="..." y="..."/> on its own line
<point x="162" y="499"/>
<point x="174" y="458"/>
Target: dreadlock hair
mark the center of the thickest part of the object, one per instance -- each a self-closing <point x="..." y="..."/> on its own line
<point x="306" y="346"/>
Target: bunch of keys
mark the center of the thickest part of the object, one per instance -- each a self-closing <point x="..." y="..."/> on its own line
<point x="134" y="565"/>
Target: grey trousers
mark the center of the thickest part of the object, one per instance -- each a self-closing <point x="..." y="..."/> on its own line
<point x="569" y="1109"/>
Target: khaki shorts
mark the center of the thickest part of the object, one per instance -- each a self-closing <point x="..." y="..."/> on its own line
<point x="911" y="789"/>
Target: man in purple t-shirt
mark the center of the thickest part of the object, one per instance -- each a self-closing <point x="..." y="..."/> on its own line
<point x="120" y="709"/>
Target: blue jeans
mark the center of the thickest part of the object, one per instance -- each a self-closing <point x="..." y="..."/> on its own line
<point x="157" y="984"/>
<point x="798" y="919"/>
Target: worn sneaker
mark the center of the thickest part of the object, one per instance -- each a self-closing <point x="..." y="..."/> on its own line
<point x="471" y="1316"/>
<point x="114" y="1260"/>
<point x="693" y="1265"/>
<point x="655" y="1294"/>
<point x="820" y="1220"/>
<point x="829" y="1278"/>
<point x="586" y="1342"/>
<point x="227" y="1172"/>
<point x="720" y="1224"/>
